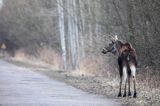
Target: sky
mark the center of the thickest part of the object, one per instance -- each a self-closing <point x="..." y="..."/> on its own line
<point x="1" y="3"/>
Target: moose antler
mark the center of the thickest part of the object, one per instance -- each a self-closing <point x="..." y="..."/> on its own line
<point x="116" y="38"/>
<point x="113" y="39"/>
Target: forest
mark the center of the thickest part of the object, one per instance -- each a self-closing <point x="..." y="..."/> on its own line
<point x="70" y="34"/>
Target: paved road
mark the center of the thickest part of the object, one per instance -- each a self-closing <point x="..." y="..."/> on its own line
<point x="22" y="87"/>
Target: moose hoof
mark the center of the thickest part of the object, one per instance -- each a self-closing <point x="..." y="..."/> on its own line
<point x="119" y="95"/>
<point x="135" y="95"/>
<point x="129" y="94"/>
<point x="124" y="95"/>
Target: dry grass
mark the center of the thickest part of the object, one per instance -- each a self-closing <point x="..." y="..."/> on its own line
<point x="148" y="82"/>
<point x="20" y="55"/>
<point x="94" y="66"/>
<point x="149" y="77"/>
<point x="87" y="67"/>
<point x="4" y="53"/>
<point x="51" y="57"/>
<point x="47" y="57"/>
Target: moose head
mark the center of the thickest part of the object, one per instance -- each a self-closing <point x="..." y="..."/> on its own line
<point x="112" y="47"/>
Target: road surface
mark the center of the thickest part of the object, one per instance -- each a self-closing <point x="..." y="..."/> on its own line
<point x="22" y="87"/>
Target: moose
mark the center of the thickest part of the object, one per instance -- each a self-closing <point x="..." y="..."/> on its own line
<point x="127" y="61"/>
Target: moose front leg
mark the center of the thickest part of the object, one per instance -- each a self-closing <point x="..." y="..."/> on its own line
<point x="124" y="95"/>
<point x="135" y="92"/>
<point x="120" y="74"/>
<point x="120" y="86"/>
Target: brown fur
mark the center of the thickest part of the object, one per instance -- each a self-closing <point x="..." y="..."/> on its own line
<point x="126" y="59"/>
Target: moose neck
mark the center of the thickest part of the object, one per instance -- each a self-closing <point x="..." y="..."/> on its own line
<point x="119" y="46"/>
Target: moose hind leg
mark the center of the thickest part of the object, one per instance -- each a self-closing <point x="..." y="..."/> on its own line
<point x="129" y="91"/>
<point x="129" y="79"/>
<point x="133" y="71"/>
<point x="125" y="80"/>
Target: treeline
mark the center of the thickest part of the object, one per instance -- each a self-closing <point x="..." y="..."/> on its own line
<point x="79" y="29"/>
